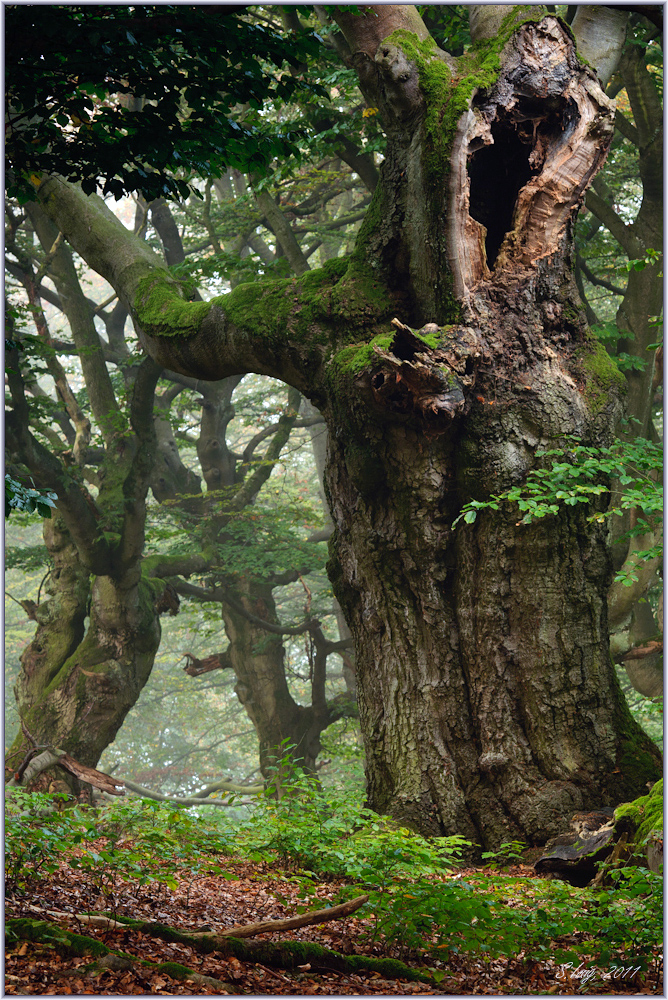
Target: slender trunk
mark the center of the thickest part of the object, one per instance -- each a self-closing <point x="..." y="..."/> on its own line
<point x="285" y="729"/>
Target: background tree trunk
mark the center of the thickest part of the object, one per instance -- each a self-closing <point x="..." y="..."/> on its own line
<point x="78" y="704"/>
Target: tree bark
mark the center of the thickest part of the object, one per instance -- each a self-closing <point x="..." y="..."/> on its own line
<point x="488" y="702"/>
<point x="78" y="703"/>
<point x="60" y="619"/>
<point x="78" y="683"/>
<point x="286" y="730"/>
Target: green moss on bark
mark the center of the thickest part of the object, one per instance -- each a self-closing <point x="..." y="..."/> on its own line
<point x="642" y="816"/>
<point x="162" y="312"/>
<point x="354" y="358"/>
<point x="27" y="929"/>
<point x="601" y="375"/>
<point x="448" y="97"/>
<point x="309" y="309"/>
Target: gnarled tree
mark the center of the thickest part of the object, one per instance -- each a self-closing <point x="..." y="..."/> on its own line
<point x="444" y="352"/>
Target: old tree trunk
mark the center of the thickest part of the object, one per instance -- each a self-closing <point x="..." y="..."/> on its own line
<point x="488" y="703"/>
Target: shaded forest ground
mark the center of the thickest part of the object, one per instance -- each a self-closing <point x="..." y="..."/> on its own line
<point x="217" y="902"/>
<point x="432" y="925"/>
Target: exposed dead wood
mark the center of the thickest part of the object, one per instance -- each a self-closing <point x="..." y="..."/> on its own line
<point x="640" y="652"/>
<point x="90" y="919"/>
<point x="554" y="147"/>
<point x="407" y="380"/>
<point x="290" y="923"/>
<point x="58" y="758"/>
<point x="240" y="931"/>
<point x="217" y="661"/>
<point x="168" y="601"/>
<point x="98" y="779"/>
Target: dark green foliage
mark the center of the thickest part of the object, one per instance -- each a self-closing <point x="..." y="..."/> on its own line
<point x="190" y="69"/>
<point x="27" y="499"/>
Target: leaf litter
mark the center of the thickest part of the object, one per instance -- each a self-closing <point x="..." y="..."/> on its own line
<point x="245" y="893"/>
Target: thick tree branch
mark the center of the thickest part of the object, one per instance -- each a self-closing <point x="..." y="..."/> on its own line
<point x="290" y="923"/>
<point x="593" y="279"/>
<point x="281" y="229"/>
<point x="75" y="504"/>
<point x="613" y="223"/>
<point x="647" y="111"/>
<point x="600" y="32"/>
<point x="621" y="599"/>
<point x="57" y="372"/>
<point x="230" y="335"/>
<point x="485" y="19"/>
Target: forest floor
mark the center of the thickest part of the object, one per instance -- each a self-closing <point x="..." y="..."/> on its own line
<point x="246" y="893"/>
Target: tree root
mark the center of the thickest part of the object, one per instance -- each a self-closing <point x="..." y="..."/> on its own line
<point x="291" y="955"/>
<point x="78" y="945"/>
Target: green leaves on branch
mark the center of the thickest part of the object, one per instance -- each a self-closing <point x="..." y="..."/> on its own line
<point x="26" y="499"/>
<point x="145" y="98"/>
<point x="650" y="258"/>
<point x="629" y="471"/>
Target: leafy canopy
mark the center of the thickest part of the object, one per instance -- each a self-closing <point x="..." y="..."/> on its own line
<point x="143" y="98"/>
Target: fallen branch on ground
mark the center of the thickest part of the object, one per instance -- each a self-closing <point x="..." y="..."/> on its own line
<point x="290" y="923"/>
<point x="284" y="954"/>
<point x="79" y="945"/>
<point x="242" y="931"/>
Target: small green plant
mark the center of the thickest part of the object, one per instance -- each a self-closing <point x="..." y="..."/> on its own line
<point x="508" y="854"/>
<point x="35" y="836"/>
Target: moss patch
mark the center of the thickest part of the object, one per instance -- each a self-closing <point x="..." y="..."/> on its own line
<point x="354" y="358"/>
<point x="601" y="375"/>
<point x="447" y="97"/>
<point x="26" y="929"/>
<point x="357" y="357"/>
<point x="642" y="816"/>
<point x="162" y="312"/>
<point x="309" y="309"/>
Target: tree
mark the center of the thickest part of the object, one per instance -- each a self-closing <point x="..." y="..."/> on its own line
<point x="52" y="705"/>
<point x="444" y="352"/>
<point x="621" y="278"/>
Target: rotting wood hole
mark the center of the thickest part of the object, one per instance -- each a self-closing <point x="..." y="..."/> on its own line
<point x="499" y="170"/>
<point x="497" y="173"/>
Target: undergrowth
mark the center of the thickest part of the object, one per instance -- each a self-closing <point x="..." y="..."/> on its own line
<point x="423" y="904"/>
